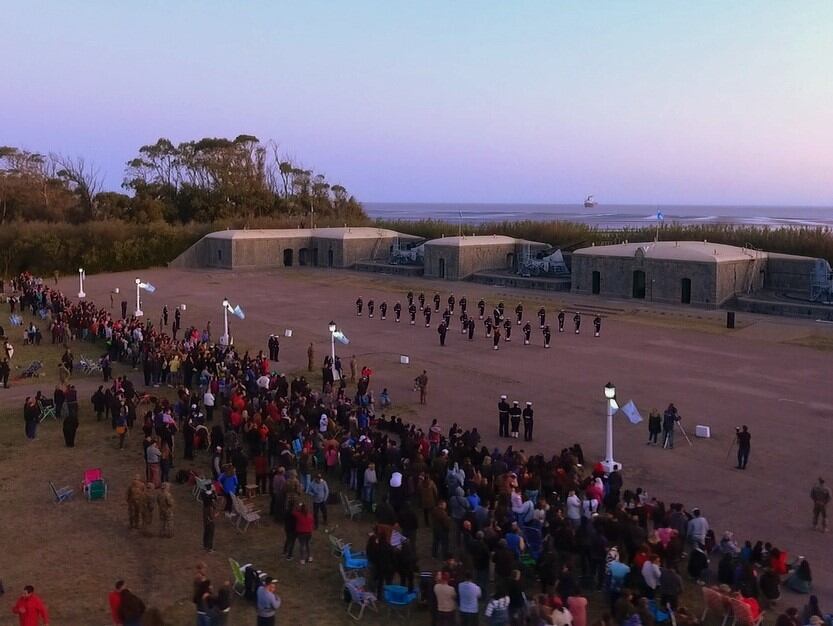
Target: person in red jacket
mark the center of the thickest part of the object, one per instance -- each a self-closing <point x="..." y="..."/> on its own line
<point x="304" y="524"/>
<point x="30" y="608"/>
<point x="114" y="598"/>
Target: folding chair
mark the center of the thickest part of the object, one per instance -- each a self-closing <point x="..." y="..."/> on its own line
<point x="96" y="490"/>
<point x="351" y="576"/>
<point x="47" y="410"/>
<point x="353" y="560"/>
<point x="398" y="599"/>
<point x="336" y="544"/>
<point x="61" y="495"/>
<point x="90" y="476"/>
<point x="244" y="514"/>
<point x="352" y="508"/>
<point x="360" y="599"/>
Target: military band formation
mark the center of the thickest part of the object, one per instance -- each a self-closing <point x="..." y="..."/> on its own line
<point x="497" y="324"/>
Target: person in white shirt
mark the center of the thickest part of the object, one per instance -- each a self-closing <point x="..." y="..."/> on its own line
<point x="650" y="574"/>
<point x="468" y="595"/>
<point x="573" y="509"/>
<point x="208" y="400"/>
<point x="698" y="526"/>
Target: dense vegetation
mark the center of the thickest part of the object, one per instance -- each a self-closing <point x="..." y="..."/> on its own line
<point x="807" y="241"/>
<point x="206" y="180"/>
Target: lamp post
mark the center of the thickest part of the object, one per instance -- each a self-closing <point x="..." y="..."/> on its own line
<point x="609" y="464"/>
<point x="81" y="293"/>
<point x="224" y="340"/>
<point x="138" y="312"/>
<point x="332" y="327"/>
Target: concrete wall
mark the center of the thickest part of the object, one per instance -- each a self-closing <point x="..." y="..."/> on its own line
<point x="663" y="279"/>
<point x="792" y="273"/>
<point x="463" y="261"/>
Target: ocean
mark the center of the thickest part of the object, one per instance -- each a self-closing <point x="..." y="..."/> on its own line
<point x="607" y="216"/>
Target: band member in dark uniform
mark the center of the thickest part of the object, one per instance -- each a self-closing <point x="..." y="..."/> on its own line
<point x="597" y="325"/>
<point x="507" y="327"/>
<point x="515" y="419"/>
<point x="519" y="313"/>
<point x="503" y="417"/>
<point x="427" y="313"/>
<point x="488" y="325"/>
<point x="383" y="310"/>
<point x="397" y="309"/>
<point x="500" y="308"/>
<point x="442" y="329"/>
<point x="177" y="319"/>
<point x="497" y="315"/>
<point x="124" y="309"/>
<point x="412" y="313"/>
<point x="547" y="335"/>
<point x="577" y="321"/>
<point x="447" y="318"/>
<point x="527" y="330"/>
<point x="464" y="323"/>
<point x="370" y="305"/>
<point x="165" y="315"/>
<point x="463" y="304"/>
<point x="471" y="329"/>
<point x="528" y="416"/>
<point x="274" y="348"/>
<point x="561" y="321"/>
<point x="410" y="298"/>
<point x="542" y="316"/>
<point x="496" y="338"/>
<point x="481" y="307"/>
<point x="437" y="302"/>
<point x="359" y="305"/>
<point x="451" y="302"/>
<point x="421" y="301"/>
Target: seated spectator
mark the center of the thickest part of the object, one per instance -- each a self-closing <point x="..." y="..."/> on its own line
<point x="800" y="579"/>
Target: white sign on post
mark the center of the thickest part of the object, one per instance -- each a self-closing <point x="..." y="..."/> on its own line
<point x="404" y="359"/>
<point x="287" y="332"/>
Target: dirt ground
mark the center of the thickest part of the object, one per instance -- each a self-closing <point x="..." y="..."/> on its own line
<point x="769" y="373"/>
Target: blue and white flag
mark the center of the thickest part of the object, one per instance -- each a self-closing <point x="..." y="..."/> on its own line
<point x="238" y="312"/>
<point x="631" y="412"/>
<point x="147" y="287"/>
<point x="660" y="216"/>
<point x="341" y="337"/>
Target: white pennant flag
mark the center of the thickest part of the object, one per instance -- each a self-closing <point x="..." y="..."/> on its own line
<point x="631" y="412"/>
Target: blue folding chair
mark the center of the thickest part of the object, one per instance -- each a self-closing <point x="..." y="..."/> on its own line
<point x="398" y="598"/>
<point x="353" y="560"/>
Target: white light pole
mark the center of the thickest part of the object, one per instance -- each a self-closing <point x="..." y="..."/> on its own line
<point x="138" y="312"/>
<point x="81" y="293"/>
<point x="332" y="327"/>
<point x="225" y="338"/>
<point x="609" y="464"/>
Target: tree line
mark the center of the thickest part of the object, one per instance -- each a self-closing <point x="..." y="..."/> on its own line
<point x="205" y="180"/>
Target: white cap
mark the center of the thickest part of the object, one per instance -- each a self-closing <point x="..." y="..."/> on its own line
<point x="529" y="404"/>
<point x="503" y="397"/>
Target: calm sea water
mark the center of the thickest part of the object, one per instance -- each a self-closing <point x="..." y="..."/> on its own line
<point x="604" y="216"/>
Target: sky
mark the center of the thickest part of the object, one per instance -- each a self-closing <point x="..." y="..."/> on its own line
<point x="699" y="102"/>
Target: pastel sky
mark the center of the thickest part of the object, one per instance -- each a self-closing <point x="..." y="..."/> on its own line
<point x="700" y="102"/>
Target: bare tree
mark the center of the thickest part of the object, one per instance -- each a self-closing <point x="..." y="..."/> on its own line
<point x="82" y="177"/>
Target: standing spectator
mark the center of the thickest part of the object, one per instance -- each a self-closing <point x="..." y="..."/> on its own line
<point x="820" y="494"/>
<point x="267" y="603"/>
<point x="303" y="529"/>
<point x="470" y="595"/>
<point x="31" y="415"/>
<point x="208" y="400"/>
<point x="30" y="609"/>
<point x="132" y="608"/>
<point x="114" y="600"/>
<point x="320" y="491"/>
<point x="209" y="513"/>
<point x="446" y="601"/>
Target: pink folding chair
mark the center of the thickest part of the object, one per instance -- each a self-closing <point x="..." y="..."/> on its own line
<point x="92" y="475"/>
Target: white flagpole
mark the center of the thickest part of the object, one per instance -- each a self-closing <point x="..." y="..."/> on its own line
<point x="81" y="293"/>
<point x="138" y="312"/>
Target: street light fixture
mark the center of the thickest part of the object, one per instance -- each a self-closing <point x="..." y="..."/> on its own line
<point x="609" y="464"/>
<point x="138" y="312"/>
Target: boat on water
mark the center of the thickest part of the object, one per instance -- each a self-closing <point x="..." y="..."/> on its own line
<point x="590" y="202"/>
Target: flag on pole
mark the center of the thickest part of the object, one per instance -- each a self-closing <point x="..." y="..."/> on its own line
<point x="631" y="412"/>
<point x="341" y="337"/>
<point x="147" y="287"/>
<point x="237" y="311"/>
<point x="660" y="216"/>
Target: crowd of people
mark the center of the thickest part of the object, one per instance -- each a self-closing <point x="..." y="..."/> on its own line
<point x="516" y="537"/>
